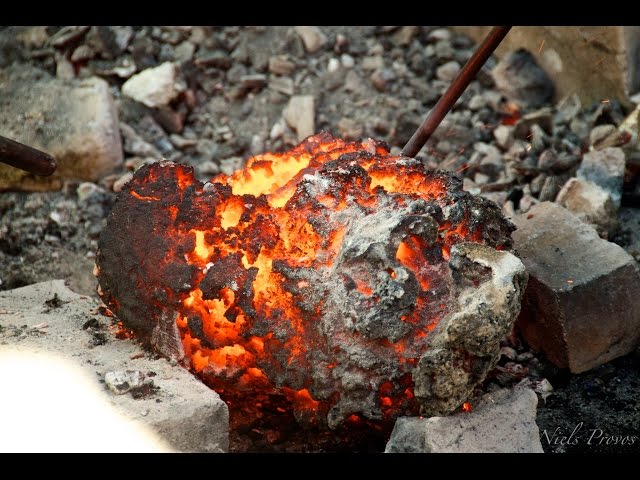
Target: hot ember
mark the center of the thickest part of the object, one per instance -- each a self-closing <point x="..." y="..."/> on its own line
<point x="322" y="281"/>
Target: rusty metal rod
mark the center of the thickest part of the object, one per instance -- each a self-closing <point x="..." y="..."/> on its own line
<point x="462" y="80"/>
<point x="26" y="158"/>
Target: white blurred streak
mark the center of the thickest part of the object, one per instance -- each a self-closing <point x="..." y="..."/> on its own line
<point x="48" y="404"/>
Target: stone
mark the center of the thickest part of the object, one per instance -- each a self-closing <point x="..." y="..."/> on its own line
<point x="87" y="190"/>
<point x="182" y="142"/>
<point x="477" y="102"/>
<point x="487" y="158"/>
<point x="82" y="53"/>
<point x="134" y="144"/>
<point x="134" y="163"/>
<point x="229" y="165"/>
<point x="281" y="65"/>
<point x="283" y="85"/>
<point x="347" y="60"/>
<point x="66" y="35"/>
<point x="300" y="115"/>
<point x="122" y="181"/>
<point x="333" y="65"/>
<point x="312" y="38"/>
<point x="154" y="87"/>
<point x="538" y="138"/>
<point x="579" y="306"/>
<point x="121" y="382"/>
<point x="550" y="188"/>
<point x="374" y="62"/>
<point x="568" y="108"/>
<point x="278" y="129"/>
<point x="75" y="121"/>
<point x="599" y="133"/>
<point x="550" y="161"/>
<point x="107" y="42"/>
<point x="381" y="78"/>
<point x="350" y="129"/>
<point x="178" y="410"/>
<point x="443" y="50"/>
<point x="439" y="34"/>
<point x="502" y="422"/>
<point x="407" y="122"/>
<point x="542" y="118"/>
<point x="504" y="136"/>
<point x="184" y="52"/>
<point x="519" y="78"/>
<point x="537" y="183"/>
<point x="172" y="121"/>
<point x="216" y="58"/>
<point x="123" y="66"/>
<point x="403" y="36"/>
<point x="256" y="80"/>
<point x="602" y="137"/>
<point x="481" y="178"/>
<point x="448" y="71"/>
<point x="526" y="202"/>
<point x="605" y="168"/>
<point x="64" y="68"/>
<point x="591" y="204"/>
<point x="353" y="82"/>
<point x="122" y="36"/>
<point x="208" y="168"/>
<point x="34" y="37"/>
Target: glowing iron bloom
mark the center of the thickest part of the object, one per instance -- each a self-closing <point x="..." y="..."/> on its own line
<point x="322" y="280"/>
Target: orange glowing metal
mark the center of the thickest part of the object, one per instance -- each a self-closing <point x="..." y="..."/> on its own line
<point x="227" y="351"/>
<point x="243" y="314"/>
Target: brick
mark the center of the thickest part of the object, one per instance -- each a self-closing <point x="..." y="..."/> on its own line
<point x="579" y="307"/>
<point x="596" y="63"/>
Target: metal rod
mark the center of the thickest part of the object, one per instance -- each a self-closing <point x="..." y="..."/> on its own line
<point x="26" y="158"/>
<point x="462" y="80"/>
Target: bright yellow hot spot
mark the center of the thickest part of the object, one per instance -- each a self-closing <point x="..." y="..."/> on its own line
<point x="266" y="173"/>
<point x="202" y="250"/>
<point x="230" y="215"/>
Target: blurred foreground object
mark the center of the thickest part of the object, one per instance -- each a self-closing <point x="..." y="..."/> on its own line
<point x="75" y="416"/>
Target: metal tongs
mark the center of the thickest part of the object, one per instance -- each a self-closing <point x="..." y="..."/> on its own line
<point x="26" y="158"/>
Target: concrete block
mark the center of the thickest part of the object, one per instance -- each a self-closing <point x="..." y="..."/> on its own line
<point x="56" y="323"/>
<point x="502" y="422"/>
